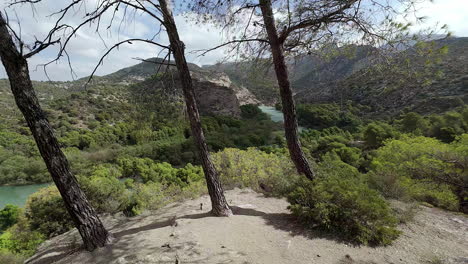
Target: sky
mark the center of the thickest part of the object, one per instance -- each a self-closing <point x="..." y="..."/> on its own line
<point x="87" y="47"/>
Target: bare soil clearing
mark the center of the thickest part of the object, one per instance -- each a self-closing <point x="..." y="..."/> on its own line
<point x="261" y="231"/>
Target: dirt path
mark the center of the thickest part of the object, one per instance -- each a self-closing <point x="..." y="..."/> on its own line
<point x="262" y="231"/>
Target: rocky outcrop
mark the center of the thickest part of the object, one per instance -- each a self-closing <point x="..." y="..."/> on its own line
<point x="244" y="96"/>
<point x="215" y="96"/>
<point x="215" y="92"/>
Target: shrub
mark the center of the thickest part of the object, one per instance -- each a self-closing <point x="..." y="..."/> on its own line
<point x="349" y="155"/>
<point x="251" y="111"/>
<point x="46" y="212"/>
<point x="154" y="195"/>
<point x="148" y="170"/>
<point x="106" y="194"/>
<point x="145" y="197"/>
<point x="9" y="215"/>
<point x="20" y="239"/>
<point x="413" y="123"/>
<point x="319" y="116"/>
<point x="421" y="168"/>
<point x="10" y="258"/>
<point x="346" y="207"/>
<point x="270" y="172"/>
<point x="376" y="133"/>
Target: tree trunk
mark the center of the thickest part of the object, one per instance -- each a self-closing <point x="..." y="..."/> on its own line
<point x="289" y="109"/>
<point x="84" y="217"/>
<point x="218" y="201"/>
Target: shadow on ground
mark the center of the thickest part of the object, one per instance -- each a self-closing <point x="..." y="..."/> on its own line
<point x="122" y="247"/>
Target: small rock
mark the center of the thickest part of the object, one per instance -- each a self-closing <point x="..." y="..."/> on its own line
<point x="457" y="220"/>
<point x="166" y="259"/>
<point x="166" y="245"/>
<point x="223" y="247"/>
<point x="318" y="255"/>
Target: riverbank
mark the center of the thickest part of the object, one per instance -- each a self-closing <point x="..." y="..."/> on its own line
<point x="18" y="194"/>
<point x="275" y="115"/>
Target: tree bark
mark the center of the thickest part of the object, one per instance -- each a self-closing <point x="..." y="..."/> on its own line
<point x="219" y="204"/>
<point x="84" y="217"/>
<point x="289" y="109"/>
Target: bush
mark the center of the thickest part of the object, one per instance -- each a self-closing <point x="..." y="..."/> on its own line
<point x="319" y="116"/>
<point x="46" y="212"/>
<point x="154" y="195"/>
<point x="20" y="239"/>
<point x="10" y="258"/>
<point x="346" y="207"/>
<point x="251" y="111"/>
<point x="164" y="173"/>
<point x="413" y="123"/>
<point x="148" y="196"/>
<point x="421" y="168"/>
<point x="106" y="193"/>
<point x="9" y="216"/>
<point x="264" y="172"/>
<point x="376" y="133"/>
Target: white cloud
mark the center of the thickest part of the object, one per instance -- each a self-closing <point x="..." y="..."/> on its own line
<point x="454" y="13"/>
<point x="87" y="47"/>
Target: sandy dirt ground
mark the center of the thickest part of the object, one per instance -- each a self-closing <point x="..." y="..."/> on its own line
<point x="261" y="231"/>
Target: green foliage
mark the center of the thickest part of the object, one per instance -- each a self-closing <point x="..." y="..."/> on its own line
<point x="375" y="133"/>
<point x="349" y="155"/>
<point x="46" y="213"/>
<point x="225" y="132"/>
<point x="332" y="141"/>
<point x="20" y="239"/>
<point x="9" y="257"/>
<point x="448" y="126"/>
<point x="319" y="116"/>
<point x="346" y="207"/>
<point x="264" y="172"/>
<point x="421" y="168"/>
<point x="148" y="196"/>
<point x="9" y="216"/>
<point x="250" y="111"/>
<point x="413" y="123"/>
<point x="106" y="193"/>
<point x="149" y="171"/>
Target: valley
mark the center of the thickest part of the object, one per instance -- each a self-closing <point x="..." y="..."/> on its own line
<point x="128" y="140"/>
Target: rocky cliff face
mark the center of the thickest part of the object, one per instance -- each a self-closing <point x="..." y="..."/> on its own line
<point x="243" y="95"/>
<point x="215" y="96"/>
<point x="215" y="92"/>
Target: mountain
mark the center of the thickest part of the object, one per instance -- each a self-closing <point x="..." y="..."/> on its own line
<point x="425" y="85"/>
<point x="214" y="90"/>
<point x="134" y="85"/>
<point x="258" y="78"/>
<point x="420" y="79"/>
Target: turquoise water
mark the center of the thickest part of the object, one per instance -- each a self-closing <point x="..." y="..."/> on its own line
<point x="17" y="195"/>
<point x="275" y="115"/>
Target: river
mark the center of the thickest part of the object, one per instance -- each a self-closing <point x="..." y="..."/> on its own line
<point x="17" y="195"/>
<point x="275" y="115"/>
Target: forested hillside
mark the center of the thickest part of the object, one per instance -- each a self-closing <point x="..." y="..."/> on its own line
<point x="338" y="75"/>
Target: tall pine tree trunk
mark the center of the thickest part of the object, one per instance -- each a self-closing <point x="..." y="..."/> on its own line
<point x="219" y="204"/>
<point x="84" y="217"/>
<point x="287" y="101"/>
